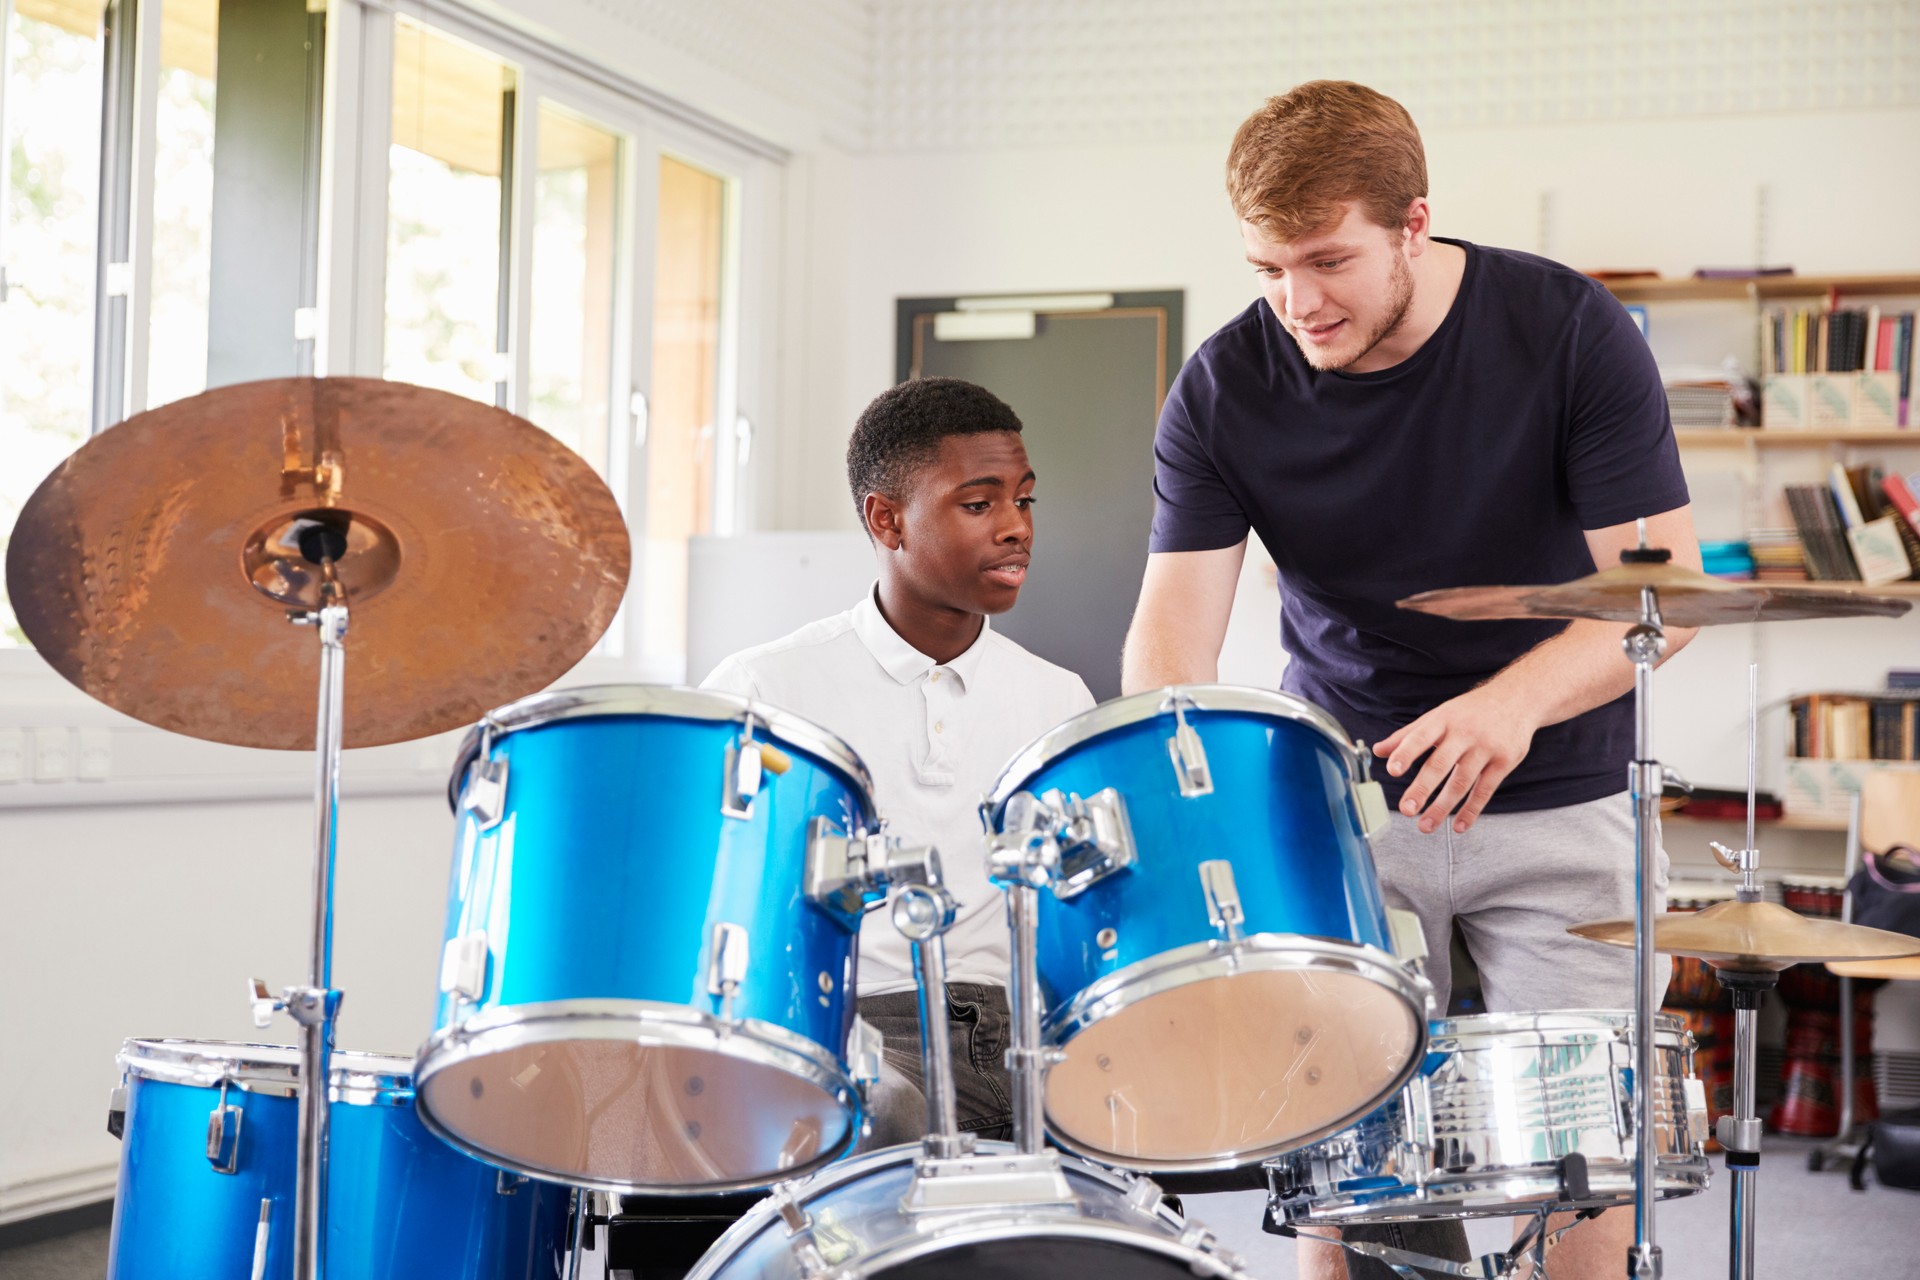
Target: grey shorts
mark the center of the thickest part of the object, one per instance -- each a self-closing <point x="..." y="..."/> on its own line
<point x="1516" y="882"/>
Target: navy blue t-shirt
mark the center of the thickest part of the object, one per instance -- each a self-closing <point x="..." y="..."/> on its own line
<point x="1533" y="413"/>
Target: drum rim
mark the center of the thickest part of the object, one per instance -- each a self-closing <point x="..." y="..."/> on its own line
<point x="982" y="1224"/>
<point x="509" y="1027"/>
<point x="1677" y="1176"/>
<point x="1255" y="953"/>
<point x="1119" y="713"/>
<point x="273" y="1070"/>
<point x="679" y="701"/>
<point x="1472" y="1027"/>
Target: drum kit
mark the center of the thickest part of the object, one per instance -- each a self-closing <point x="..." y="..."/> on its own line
<point x="649" y="964"/>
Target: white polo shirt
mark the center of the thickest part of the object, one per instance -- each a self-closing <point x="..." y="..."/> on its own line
<point x="935" y="736"/>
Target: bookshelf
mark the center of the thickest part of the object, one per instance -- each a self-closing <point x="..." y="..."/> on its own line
<point x="1789" y="438"/>
<point x="1760" y="288"/>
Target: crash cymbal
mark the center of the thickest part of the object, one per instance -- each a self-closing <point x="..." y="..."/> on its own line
<point x="1687" y="598"/>
<point x="1755" y="936"/>
<point x="156" y="567"/>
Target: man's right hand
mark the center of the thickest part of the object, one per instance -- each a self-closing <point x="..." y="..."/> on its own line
<point x="1180" y="623"/>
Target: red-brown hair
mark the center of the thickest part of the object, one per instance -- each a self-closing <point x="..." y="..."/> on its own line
<point x="1302" y="155"/>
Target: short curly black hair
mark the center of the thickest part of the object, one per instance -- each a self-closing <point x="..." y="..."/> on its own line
<point x="901" y="431"/>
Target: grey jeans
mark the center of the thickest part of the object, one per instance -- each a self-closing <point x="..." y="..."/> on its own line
<point x="977" y="1022"/>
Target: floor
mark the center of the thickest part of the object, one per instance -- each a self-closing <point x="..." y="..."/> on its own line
<point x="1810" y="1224"/>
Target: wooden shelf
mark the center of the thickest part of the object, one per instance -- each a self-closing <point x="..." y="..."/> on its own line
<point x="1788" y="823"/>
<point x="1687" y="289"/>
<point x="1785" y="438"/>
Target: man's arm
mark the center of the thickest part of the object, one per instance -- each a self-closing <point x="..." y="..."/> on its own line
<point x="1180" y="623"/>
<point x="1474" y="741"/>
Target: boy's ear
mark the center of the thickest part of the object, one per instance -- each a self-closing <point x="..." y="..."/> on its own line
<point x="883" y="521"/>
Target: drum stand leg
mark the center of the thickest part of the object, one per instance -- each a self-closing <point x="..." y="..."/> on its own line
<point x="1644" y="643"/>
<point x="315" y="1005"/>
<point x="1739" y="1133"/>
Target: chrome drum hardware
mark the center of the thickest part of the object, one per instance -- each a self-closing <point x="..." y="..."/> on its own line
<point x="1514" y="1113"/>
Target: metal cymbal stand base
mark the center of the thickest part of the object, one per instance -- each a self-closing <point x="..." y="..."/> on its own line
<point x="316" y="1005"/>
<point x="1739" y="1132"/>
<point x="1644" y="644"/>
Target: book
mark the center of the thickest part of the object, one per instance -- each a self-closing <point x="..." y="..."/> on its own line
<point x="1900" y="497"/>
<point x="1843" y="497"/>
<point x="1878" y="551"/>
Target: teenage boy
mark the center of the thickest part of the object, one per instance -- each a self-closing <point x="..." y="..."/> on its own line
<point x="936" y="703"/>
<point x="1397" y="413"/>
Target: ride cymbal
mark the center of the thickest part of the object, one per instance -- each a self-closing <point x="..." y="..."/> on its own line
<point x="1687" y="598"/>
<point x="1755" y="936"/>
<point x="157" y="566"/>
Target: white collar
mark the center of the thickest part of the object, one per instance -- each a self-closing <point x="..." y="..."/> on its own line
<point x="901" y="660"/>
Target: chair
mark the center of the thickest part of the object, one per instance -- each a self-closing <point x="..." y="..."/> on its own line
<point x="1886" y="812"/>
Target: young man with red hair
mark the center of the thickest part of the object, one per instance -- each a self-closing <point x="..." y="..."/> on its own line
<point x="1400" y="412"/>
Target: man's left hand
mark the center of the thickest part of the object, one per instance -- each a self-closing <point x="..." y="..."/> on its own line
<point x="1471" y="743"/>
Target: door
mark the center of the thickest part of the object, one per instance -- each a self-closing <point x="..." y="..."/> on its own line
<point x="1087" y="374"/>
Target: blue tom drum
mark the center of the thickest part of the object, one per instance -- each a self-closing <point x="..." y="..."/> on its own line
<point x="210" y="1143"/>
<point x="1227" y="987"/>
<point x="636" y="991"/>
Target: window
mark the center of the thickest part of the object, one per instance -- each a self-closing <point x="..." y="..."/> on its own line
<point x="447" y="236"/>
<point x="685" y="438"/>
<point x="576" y="240"/>
<point x="49" y="226"/>
<point x="182" y="252"/>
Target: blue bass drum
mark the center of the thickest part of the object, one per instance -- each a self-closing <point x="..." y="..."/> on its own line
<point x="636" y="992"/>
<point x="858" y="1220"/>
<point x="209" y="1145"/>
<point x="1228" y="988"/>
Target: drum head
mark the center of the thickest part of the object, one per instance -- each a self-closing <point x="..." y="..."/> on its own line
<point x="1226" y="1070"/>
<point x="636" y="1116"/>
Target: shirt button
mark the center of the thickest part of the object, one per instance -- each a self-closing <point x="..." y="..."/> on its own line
<point x="934" y="678"/>
<point x="939" y="726"/>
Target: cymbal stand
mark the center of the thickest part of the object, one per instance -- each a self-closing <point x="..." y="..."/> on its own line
<point x="315" y="1005"/>
<point x="923" y="912"/>
<point x="1739" y="1132"/>
<point x="1644" y="643"/>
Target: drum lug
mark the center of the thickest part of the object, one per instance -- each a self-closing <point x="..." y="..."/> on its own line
<point x="1370" y="806"/>
<point x="1408" y="939"/>
<point x="747" y="764"/>
<point x="223" y="1135"/>
<point x="840" y="868"/>
<point x="1223" y="897"/>
<point x="485" y="795"/>
<point x="117" y="1110"/>
<point x="463" y="965"/>
<point x="726" y="966"/>
<point x="507" y="1183"/>
<point x="865" y="1048"/>
<point x="1698" y="1127"/>
<point x="1190" y="768"/>
<point x="1145" y="1195"/>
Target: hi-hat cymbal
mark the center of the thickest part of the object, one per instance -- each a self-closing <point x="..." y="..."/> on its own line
<point x="156" y="567"/>
<point x="1687" y="598"/>
<point x="1756" y="936"/>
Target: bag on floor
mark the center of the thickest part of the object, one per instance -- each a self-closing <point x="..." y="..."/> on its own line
<point x="1896" y="1149"/>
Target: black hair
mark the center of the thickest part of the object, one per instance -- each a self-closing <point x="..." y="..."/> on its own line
<point x="901" y="431"/>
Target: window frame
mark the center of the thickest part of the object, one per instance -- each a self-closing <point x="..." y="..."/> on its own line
<point x="350" y="268"/>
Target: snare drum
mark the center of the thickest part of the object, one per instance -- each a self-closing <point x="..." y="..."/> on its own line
<point x="210" y="1141"/>
<point x="1226" y="987"/>
<point x="852" y="1221"/>
<point x="636" y="993"/>
<point x="1514" y="1112"/>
